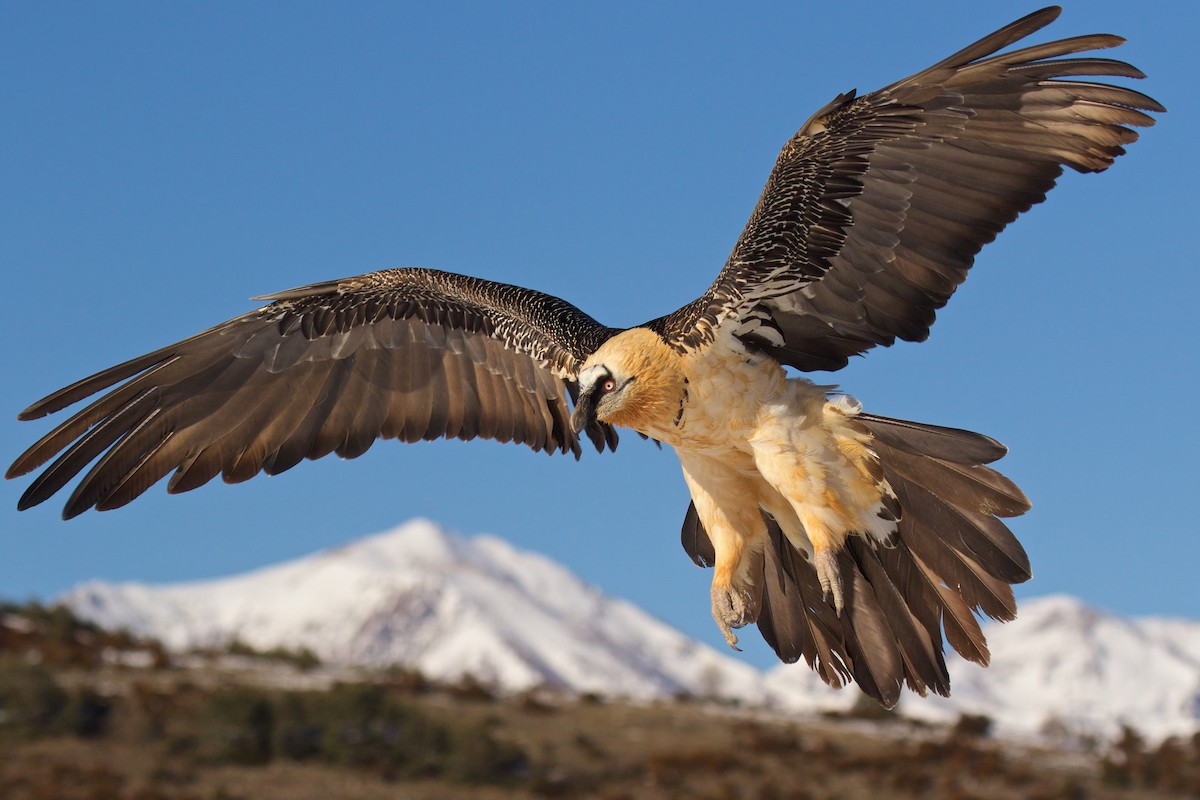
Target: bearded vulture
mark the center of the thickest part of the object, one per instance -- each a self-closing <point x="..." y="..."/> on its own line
<point x="852" y="540"/>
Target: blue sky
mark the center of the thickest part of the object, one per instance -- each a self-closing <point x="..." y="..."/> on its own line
<point x="164" y="162"/>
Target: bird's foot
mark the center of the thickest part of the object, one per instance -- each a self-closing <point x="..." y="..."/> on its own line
<point x="830" y="576"/>
<point x="731" y="608"/>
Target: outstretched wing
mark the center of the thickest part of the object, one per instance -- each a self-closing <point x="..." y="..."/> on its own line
<point x="876" y="208"/>
<point x="399" y="354"/>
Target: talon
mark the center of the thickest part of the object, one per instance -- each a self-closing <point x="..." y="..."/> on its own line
<point x="830" y="576"/>
<point x="730" y="609"/>
<point x="730" y="637"/>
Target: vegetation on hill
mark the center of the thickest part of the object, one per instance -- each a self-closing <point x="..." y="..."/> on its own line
<point x="87" y="714"/>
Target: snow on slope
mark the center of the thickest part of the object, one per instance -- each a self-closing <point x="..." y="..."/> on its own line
<point x="1093" y="671"/>
<point x="446" y="605"/>
<point x="1063" y="662"/>
<point x="451" y="606"/>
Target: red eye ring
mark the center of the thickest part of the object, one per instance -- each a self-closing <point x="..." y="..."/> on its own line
<point x="607" y="385"/>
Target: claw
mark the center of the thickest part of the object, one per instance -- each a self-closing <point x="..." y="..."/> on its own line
<point x="730" y="609"/>
<point x="830" y="576"/>
<point x="730" y="637"/>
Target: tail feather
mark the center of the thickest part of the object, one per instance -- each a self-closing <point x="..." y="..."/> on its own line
<point x="934" y="441"/>
<point x="951" y="559"/>
<point x="971" y="488"/>
<point x="924" y="665"/>
<point x="981" y="590"/>
<point x="982" y="538"/>
<point x="794" y="620"/>
<point x="950" y="506"/>
<point x="962" y="628"/>
<point x="871" y="644"/>
<point x="919" y="594"/>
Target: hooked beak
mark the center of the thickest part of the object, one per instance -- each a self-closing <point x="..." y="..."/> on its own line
<point x="584" y="414"/>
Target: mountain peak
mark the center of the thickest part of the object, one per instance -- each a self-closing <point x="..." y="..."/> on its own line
<point x="426" y="598"/>
<point x="416" y="542"/>
<point x="1069" y="665"/>
<point x="1058" y="610"/>
<point x="450" y="606"/>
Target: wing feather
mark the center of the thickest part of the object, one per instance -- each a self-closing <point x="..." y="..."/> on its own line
<point x="876" y="208"/>
<point x="277" y="417"/>
<point x="437" y="389"/>
<point x="331" y="367"/>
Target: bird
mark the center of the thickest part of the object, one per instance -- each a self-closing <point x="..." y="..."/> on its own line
<point x="859" y="543"/>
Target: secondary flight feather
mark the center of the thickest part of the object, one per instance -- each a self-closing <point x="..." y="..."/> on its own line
<point x="853" y="541"/>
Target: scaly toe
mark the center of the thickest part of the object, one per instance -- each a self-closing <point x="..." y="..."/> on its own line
<point x="830" y="576"/>
<point x="729" y="609"/>
<point x="731" y="638"/>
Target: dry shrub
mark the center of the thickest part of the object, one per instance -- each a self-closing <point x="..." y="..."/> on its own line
<point x="671" y="769"/>
<point x="765" y="739"/>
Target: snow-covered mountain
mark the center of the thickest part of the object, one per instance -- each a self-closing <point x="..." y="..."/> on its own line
<point x="451" y="606"/>
<point x="446" y="605"/>
<point x="1061" y="669"/>
<point x="1067" y="666"/>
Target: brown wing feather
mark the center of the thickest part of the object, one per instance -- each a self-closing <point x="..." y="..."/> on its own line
<point x="876" y="208"/>
<point x="409" y="354"/>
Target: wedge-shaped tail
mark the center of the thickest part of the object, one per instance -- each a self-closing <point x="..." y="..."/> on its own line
<point x="951" y="559"/>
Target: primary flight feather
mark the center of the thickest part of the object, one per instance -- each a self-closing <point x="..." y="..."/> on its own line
<point x="854" y="541"/>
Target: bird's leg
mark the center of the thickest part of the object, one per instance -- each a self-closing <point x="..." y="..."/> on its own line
<point x="830" y="575"/>
<point x="736" y="602"/>
<point x="810" y="510"/>
<point x="737" y="542"/>
<point x="727" y="505"/>
<point x="825" y="547"/>
<point x="816" y="543"/>
<point x="729" y="611"/>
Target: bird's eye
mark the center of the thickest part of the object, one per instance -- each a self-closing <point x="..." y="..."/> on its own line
<point x="607" y="385"/>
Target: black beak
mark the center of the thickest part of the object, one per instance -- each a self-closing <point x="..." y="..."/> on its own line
<point x="584" y="414"/>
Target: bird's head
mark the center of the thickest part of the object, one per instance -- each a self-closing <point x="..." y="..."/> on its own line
<point x="634" y="380"/>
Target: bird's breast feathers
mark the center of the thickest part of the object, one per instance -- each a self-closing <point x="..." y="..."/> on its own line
<point x="715" y="398"/>
<point x="794" y="436"/>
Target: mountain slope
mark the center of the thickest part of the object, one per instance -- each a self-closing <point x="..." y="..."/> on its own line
<point x="443" y="604"/>
<point x="1063" y="667"/>
<point x="1067" y="663"/>
<point x="451" y="606"/>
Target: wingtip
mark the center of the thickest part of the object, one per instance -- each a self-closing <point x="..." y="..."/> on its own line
<point x="73" y="509"/>
<point x="24" y="464"/>
<point x="1049" y="14"/>
<point x="33" y="412"/>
